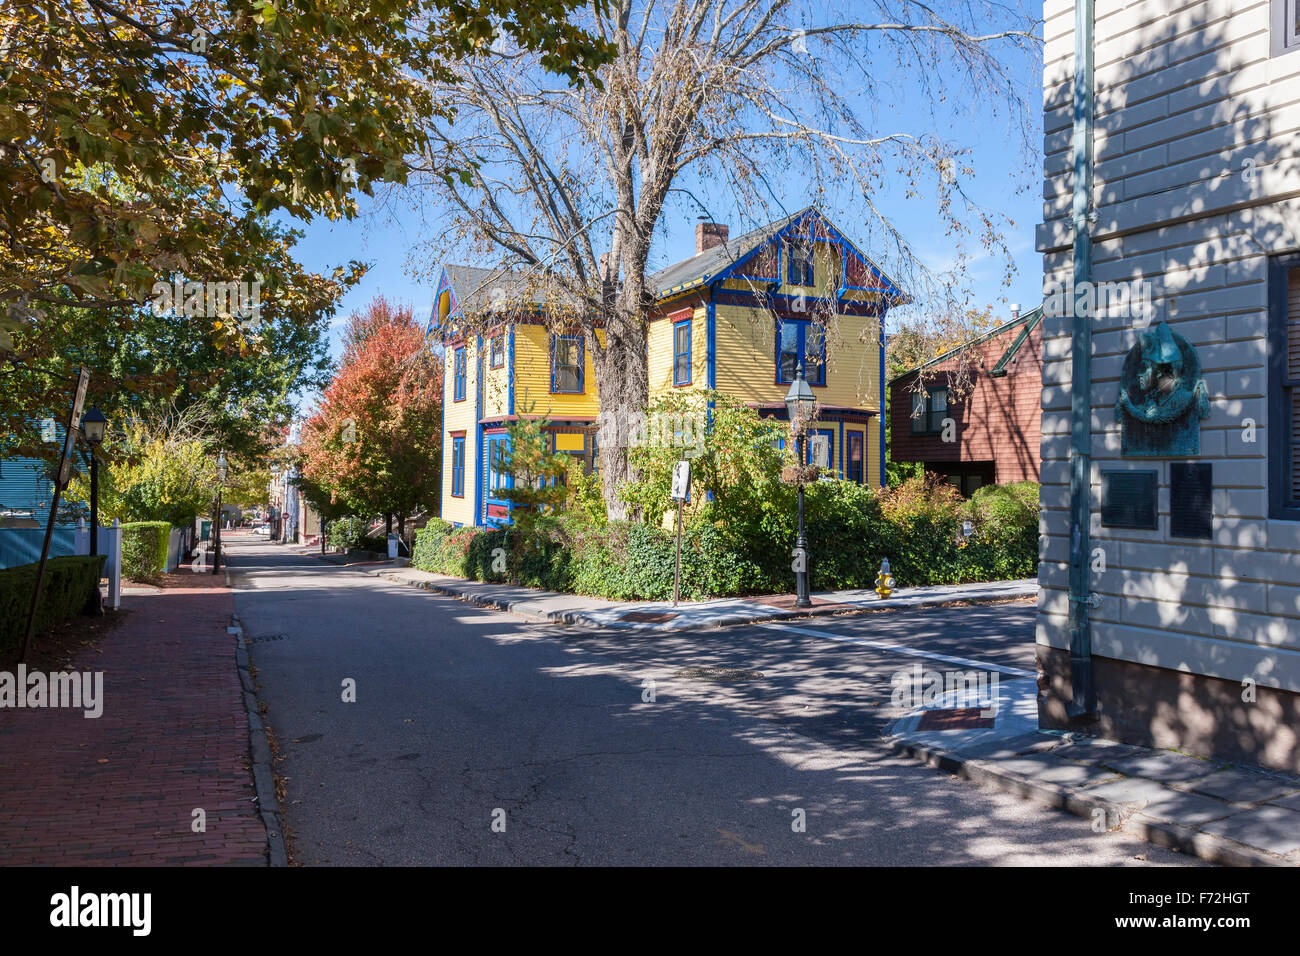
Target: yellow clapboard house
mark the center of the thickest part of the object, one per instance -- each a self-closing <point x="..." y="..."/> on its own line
<point x="739" y="316"/>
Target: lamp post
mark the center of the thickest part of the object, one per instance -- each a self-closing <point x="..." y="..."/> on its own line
<point x="799" y="402"/>
<point x="216" y="525"/>
<point x="93" y="425"/>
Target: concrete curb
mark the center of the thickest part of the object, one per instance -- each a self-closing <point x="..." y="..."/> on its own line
<point x="260" y="755"/>
<point x="1204" y="846"/>
<point x="579" y="618"/>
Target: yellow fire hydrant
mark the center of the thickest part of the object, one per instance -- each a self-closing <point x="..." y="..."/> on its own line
<point x="884" y="580"/>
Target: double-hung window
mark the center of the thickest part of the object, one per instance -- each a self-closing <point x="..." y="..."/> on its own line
<point x="458" y="372"/>
<point x="929" y="409"/>
<point x="458" y="467"/>
<point x="497" y="351"/>
<point x="855" y="458"/>
<point x="796" y="338"/>
<point x="682" y="352"/>
<point x="567" y="363"/>
<point x="1284" y="389"/>
<point x="799" y="262"/>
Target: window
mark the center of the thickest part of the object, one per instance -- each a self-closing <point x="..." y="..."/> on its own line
<point x="856" y="470"/>
<point x="566" y="363"/>
<point x="1284" y="389"/>
<point x="497" y="351"/>
<point x="458" y="467"/>
<point x="1285" y="26"/>
<point x="938" y="408"/>
<point x="682" y="352"/>
<point x="819" y="448"/>
<point x="459" y="373"/>
<point x="799" y="262"/>
<point x="497" y="478"/>
<point x="795" y="337"/>
<point x="929" y="409"/>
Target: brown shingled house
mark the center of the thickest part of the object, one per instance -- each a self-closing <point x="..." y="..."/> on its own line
<point x="994" y="433"/>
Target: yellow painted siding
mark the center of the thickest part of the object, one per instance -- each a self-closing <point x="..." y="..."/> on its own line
<point x="660" y="341"/>
<point x="533" y="378"/>
<point x="872" y="477"/>
<point x="746" y="366"/>
<point x="458" y="416"/>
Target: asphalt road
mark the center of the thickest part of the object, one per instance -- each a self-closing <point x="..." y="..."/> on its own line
<point x="477" y="737"/>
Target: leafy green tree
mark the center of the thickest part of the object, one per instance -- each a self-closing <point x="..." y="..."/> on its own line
<point x="735" y="460"/>
<point x="538" y="474"/>
<point x="148" y="141"/>
<point x="160" y="470"/>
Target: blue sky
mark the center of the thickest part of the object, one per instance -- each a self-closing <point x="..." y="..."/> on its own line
<point x="1005" y="180"/>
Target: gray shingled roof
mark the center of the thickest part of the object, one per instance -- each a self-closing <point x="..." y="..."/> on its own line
<point x="474" y="286"/>
<point x="700" y="269"/>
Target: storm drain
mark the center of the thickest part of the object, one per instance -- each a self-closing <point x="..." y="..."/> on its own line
<point x="725" y="675"/>
<point x="265" y="638"/>
<point x="648" y="617"/>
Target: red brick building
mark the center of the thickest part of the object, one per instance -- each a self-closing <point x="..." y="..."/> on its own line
<point x="991" y="434"/>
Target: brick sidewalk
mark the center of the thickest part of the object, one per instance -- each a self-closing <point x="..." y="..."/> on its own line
<point x="121" y="789"/>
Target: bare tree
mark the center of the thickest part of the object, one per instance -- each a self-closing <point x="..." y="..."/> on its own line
<point x="570" y="184"/>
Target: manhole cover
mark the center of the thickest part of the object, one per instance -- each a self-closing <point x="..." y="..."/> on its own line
<point x="726" y="675"/>
<point x="264" y="638"/>
<point x="648" y="617"/>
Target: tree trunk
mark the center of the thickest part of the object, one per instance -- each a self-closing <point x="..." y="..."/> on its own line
<point x="388" y="522"/>
<point x="623" y="385"/>
<point x="401" y="525"/>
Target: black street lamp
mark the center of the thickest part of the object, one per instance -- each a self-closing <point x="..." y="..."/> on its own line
<point x="93" y="426"/>
<point x="216" y="525"/>
<point x="799" y="403"/>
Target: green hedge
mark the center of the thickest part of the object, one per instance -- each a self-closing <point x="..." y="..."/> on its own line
<point x="850" y="529"/>
<point x="69" y="582"/>
<point x="144" y="549"/>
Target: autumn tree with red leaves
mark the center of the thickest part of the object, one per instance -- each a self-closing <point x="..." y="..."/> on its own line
<point x="374" y="445"/>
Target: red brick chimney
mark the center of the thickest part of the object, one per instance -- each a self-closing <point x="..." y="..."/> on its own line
<point x="708" y="235"/>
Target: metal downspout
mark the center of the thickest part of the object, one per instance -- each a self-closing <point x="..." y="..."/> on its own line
<point x="1083" y="694"/>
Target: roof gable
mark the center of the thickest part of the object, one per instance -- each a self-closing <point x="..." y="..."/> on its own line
<point x="741" y="258"/>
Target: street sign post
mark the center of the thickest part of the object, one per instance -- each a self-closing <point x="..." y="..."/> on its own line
<point x="681" y="489"/>
<point x="61" y="479"/>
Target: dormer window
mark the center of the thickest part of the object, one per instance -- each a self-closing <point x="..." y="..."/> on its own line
<point x="799" y="262"/>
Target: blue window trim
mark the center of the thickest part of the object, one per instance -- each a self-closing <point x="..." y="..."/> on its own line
<point x="458" y="467"/>
<point x="830" y="439"/>
<point x="861" y="477"/>
<point x="677" y="355"/>
<point x="458" y="374"/>
<point x="880" y="398"/>
<point x="802" y="340"/>
<point x="582" y="364"/>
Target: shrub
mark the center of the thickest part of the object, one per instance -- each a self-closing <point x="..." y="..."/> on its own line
<point x="428" y="544"/>
<point x="1005" y="539"/>
<point x="69" y="582"/>
<point x="850" y="528"/>
<point x="144" y="549"/>
<point x="348" y="533"/>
